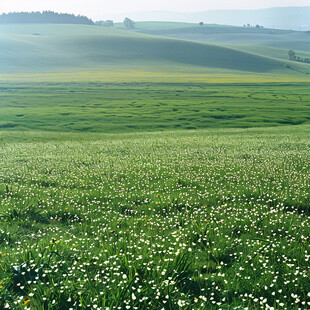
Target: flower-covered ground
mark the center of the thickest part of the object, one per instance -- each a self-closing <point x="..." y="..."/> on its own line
<point x="210" y="219"/>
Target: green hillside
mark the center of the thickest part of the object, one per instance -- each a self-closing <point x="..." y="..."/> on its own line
<point x="219" y="33"/>
<point x="272" y="52"/>
<point x="186" y="28"/>
<point x="267" y="42"/>
<point x="300" y="45"/>
<point x="74" y="48"/>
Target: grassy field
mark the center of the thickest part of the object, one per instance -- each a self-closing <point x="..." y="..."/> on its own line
<point x="123" y="107"/>
<point x="144" y="172"/>
<point x="211" y="219"/>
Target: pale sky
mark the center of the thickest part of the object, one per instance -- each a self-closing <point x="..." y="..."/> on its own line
<point x="93" y="8"/>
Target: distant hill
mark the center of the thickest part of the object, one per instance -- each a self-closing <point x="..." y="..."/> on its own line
<point x="71" y="48"/>
<point x="293" y="18"/>
<point x="230" y="35"/>
<point x="45" y="17"/>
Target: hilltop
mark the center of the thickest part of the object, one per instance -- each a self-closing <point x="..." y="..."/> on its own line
<point x="221" y="33"/>
<point x="293" y="18"/>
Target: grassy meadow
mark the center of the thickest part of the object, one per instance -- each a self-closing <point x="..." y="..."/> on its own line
<point x="210" y="219"/>
<point x="123" y="107"/>
<point x="139" y="171"/>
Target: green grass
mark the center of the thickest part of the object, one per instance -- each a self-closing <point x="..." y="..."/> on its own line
<point x="272" y="52"/>
<point x="76" y="48"/>
<point x="125" y="107"/>
<point x="131" y="176"/>
<point x="204" y="219"/>
<point x="299" y="45"/>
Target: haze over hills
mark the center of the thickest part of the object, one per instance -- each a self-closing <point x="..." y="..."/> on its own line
<point x="72" y="48"/>
<point x="257" y="40"/>
<point x="294" y="18"/>
<point x="220" y="33"/>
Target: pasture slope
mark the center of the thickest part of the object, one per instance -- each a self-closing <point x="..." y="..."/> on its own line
<point x="73" y="48"/>
<point x="228" y="34"/>
<point x="272" y="43"/>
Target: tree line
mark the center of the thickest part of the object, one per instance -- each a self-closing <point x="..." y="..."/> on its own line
<point x="45" y="17"/>
<point x="128" y="23"/>
<point x="292" y="56"/>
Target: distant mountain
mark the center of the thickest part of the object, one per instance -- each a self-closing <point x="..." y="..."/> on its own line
<point x="293" y="18"/>
<point x="45" y="17"/>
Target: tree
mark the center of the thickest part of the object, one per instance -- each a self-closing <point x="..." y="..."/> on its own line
<point x="45" y="17"/>
<point x="129" y="24"/>
<point x="105" y="23"/>
<point x="109" y="23"/>
<point x="291" y="55"/>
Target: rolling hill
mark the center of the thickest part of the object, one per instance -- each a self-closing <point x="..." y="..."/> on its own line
<point x="117" y="80"/>
<point x="273" y="43"/>
<point x="75" y="48"/>
<point x="220" y="33"/>
<point x="232" y="35"/>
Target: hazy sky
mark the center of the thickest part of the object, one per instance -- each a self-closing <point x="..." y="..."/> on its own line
<point x="93" y="8"/>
